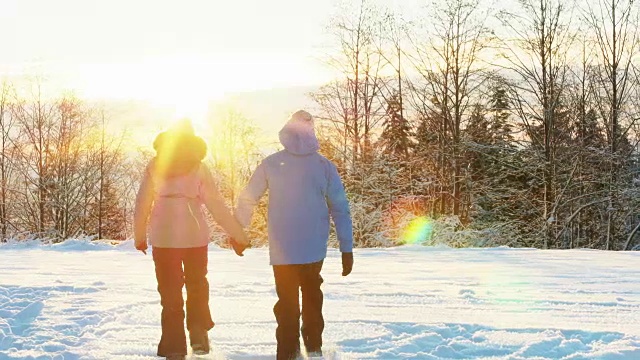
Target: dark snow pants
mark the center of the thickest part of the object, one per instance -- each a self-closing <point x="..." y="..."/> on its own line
<point x="171" y="277"/>
<point x="289" y="279"/>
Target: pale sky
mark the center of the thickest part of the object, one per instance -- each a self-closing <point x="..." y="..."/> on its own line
<point x="180" y="54"/>
<point x="165" y="50"/>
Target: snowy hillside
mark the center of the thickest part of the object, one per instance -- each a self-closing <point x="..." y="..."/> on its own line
<point x="91" y="301"/>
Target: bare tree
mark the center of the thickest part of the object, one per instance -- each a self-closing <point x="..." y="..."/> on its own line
<point x="614" y="24"/>
<point x="36" y="118"/>
<point x="54" y="170"/>
<point x="101" y="172"/>
<point x="537" y="58"/>
<point x="109" y="171"/>
<point x="587" y="134"/>
<point x="233" y="149"/>
<point x="451" y="71"/>
<point x="6" y="149"/>
<point x="395" y="137"/>
<point x="353" y="103"/>
<point x="67" y="147"/>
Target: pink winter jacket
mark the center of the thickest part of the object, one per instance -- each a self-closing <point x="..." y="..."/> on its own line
<point x="172" y="209"/>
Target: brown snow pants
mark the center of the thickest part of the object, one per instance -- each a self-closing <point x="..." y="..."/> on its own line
<point x="171" y="276"/>
<point x="290" y="279"/>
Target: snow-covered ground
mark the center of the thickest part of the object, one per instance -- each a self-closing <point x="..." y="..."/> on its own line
<point x="93" y="301"/>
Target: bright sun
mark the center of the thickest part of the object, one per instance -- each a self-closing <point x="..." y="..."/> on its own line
<point x="183" y="85"/>
<point x="192" y="106"/>
<point x="188" y="88"/>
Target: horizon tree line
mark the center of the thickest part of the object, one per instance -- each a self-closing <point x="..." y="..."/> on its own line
<point x="510" y="127"/>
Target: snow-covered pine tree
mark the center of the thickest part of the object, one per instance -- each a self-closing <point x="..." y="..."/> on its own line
<point x="396" y="130"/>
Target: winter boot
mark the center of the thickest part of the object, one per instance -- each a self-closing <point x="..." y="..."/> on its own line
<point x="199" y="341"/>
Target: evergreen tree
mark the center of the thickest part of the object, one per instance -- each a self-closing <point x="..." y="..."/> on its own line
<point x="396" y="132"/>
<point x="501" y="127"/>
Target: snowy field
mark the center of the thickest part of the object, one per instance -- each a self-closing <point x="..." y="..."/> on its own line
<point x="93" y="301"/>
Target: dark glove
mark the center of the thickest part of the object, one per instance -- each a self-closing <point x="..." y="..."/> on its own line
<point x="347" y="263"/>
<point x="237" y="247"/>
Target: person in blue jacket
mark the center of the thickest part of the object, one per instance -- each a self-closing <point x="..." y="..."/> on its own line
<point x="305" y="190"/>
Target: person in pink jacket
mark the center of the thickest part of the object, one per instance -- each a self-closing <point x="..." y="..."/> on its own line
<point x="169" y="205"/>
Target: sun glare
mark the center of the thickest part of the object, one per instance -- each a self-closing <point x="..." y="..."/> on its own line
<point x="193" y="107"/>
<point x="182" y="86"/>
<point x="185" y="85"/>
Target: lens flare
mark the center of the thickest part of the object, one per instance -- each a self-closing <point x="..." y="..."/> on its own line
<point x="418" y="231"/>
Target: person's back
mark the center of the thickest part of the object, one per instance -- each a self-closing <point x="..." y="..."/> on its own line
<point x="298" y="214"/>
<point x="305" y="190"/>
<point x="169" y="205"/>
<point x="176" y="219"/>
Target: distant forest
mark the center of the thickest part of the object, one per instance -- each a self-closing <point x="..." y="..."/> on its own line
<point x="515" y="127"/>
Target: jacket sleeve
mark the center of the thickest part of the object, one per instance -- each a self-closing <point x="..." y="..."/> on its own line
<point x="250" y="196"/>
<point x="215" y="204"/>
<point x="143" y="205"/>
<point x="339" y="210"/>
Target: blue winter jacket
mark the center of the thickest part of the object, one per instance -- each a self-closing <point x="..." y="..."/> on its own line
<point x="304" y="190"/>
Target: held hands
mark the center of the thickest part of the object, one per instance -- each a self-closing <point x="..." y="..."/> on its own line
<point x="141" y="245"/>
<point x="347" y="263"/>
<point x="237" y="247"/>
